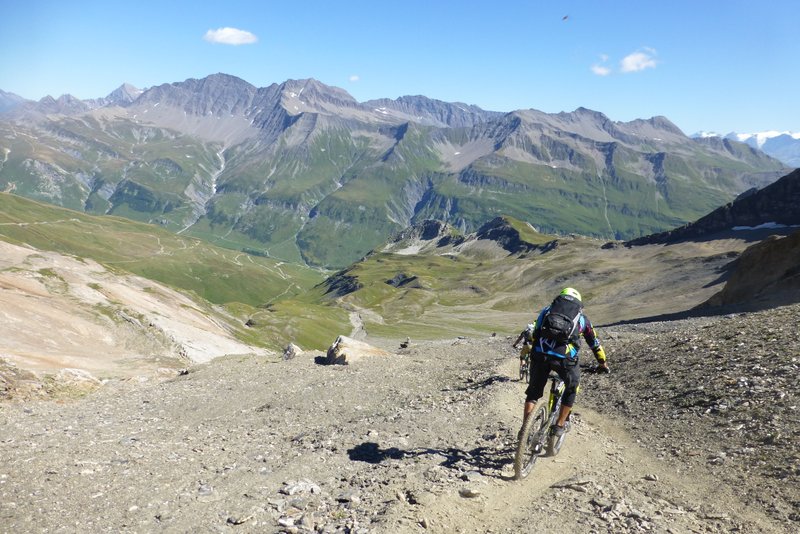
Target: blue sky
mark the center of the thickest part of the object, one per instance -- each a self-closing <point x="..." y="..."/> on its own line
<point x="704" y="64"/>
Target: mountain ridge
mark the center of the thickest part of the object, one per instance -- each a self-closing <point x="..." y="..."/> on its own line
<point x="280" y="169"/>
<point x="774" y="207"/>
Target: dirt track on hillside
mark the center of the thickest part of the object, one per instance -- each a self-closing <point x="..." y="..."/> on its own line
<point x="417" y="442"/>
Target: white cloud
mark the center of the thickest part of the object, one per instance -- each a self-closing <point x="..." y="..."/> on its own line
<point x="599" y="68"/>
<point x="643" y="59"/>
<point x="230" y="36"/>
<point x="355" y="78"/>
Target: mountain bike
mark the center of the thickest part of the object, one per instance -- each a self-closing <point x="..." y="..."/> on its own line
<point x="525" y="369"/>
<point x="535" y="436"/>
<point x="525" y="366"/>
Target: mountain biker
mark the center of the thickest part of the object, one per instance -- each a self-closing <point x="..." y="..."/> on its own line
<point x="561" y="356"/>
<point x="526" y="337"/>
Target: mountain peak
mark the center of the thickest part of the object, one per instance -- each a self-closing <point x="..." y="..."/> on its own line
<point x="124" y="94"/>
<point x="65" y="104"/>
<point x="315" y="93"/>
<point x="9" y="101"/>
<point x="583" y="113"/>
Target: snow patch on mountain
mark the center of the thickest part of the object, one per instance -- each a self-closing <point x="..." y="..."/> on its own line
<point x="761" y="137"/>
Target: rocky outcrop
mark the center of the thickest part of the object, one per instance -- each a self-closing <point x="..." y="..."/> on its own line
<point x="403" y="280"/>
<point x="765" y="273"/>
<point x="426" y="230"/>
<point x="508" y="237"/>
<point x="346" y="350"/>
<point x="340" y="284"/>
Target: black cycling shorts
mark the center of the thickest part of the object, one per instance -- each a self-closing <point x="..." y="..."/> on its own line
<point x="568" y="370"/>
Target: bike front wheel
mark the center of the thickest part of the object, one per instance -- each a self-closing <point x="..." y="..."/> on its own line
<point x="532" y="438"/>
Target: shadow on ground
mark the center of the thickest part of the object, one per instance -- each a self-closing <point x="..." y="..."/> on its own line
<point x="488" y="461"/>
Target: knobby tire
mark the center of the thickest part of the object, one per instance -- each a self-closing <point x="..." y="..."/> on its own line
<point x="531" y="435"/>
<point x="524" y="371"/>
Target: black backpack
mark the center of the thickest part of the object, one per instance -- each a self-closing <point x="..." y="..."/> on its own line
<point x="561" y="322"/>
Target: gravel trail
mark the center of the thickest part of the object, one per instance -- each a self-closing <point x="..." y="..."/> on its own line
<point x="421" y="441"/>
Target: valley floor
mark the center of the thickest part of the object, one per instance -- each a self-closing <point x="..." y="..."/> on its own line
<point x="422" y="442"/>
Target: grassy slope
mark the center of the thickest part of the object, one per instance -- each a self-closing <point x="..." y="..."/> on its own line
<point x="244" y="284"/>
<point x="476" y="290"/>
<point x="484" y="289"/>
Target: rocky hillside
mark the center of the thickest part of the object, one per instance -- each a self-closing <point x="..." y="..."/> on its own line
<point x="63" y="312"/>
<point x="765" y="275"/>
<point x="696" y="430"/>
<point x="286" y="170"/>
<point x="776" y="205"/>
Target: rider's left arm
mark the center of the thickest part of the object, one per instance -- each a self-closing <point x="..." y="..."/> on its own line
<point x="593" y="341"/>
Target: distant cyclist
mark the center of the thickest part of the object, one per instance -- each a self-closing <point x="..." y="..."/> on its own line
<point x="555" y="343"/>
<point x="526" y="337"/>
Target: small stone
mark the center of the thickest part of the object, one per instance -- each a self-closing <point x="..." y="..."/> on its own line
<point x="286" y="521"/>
<point x="303" y="486"/>
<point x="349" y="496"/>
<point x="472" y="476"/>
<point x="238" y="520"/>
<point x="469" y="493"/>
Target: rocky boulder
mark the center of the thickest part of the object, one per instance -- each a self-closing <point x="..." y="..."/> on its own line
<point x="347" y="350"/>
<point x="291" y="351"/>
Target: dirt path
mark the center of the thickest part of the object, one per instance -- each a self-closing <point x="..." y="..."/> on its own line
<point x="602" y="480"/>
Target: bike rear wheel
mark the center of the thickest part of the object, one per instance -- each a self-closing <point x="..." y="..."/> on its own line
<point x="531" y="440"/>
<point x="524" y="370"/>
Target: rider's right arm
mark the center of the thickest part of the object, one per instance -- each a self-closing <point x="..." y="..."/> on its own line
<point x="519" y="338"/>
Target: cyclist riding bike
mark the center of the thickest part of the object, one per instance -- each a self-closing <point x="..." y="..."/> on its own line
<point x="526" y="337"/>
<point x="556" y="342"/>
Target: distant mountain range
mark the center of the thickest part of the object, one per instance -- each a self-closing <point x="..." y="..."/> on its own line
<point x="784" y="146"/>
<point x="303" y="172"/>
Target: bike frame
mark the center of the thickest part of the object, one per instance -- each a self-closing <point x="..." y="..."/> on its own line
<point x="554" y="403"/>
